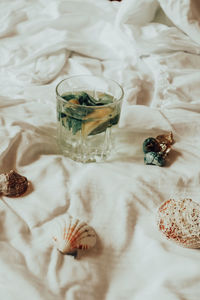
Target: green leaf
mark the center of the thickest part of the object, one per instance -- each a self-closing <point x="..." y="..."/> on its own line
<point x="71" y="123"/>
<point x="78" y="112"/>
<point x="73" y="116"/>
<point x="115" y="120"/>
<point x="69" y="97"/>
<point x="103" y="126"/>
<point x="85" y="99"/>
<point x="62" y="115"/>
<point x="76" y="125"/>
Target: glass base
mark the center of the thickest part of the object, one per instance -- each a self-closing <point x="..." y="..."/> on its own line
<point x="92" y="148"/>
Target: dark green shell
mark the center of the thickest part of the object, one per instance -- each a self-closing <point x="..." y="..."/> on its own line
<point x="154" y="158"/>
<point x="151" y="145"/>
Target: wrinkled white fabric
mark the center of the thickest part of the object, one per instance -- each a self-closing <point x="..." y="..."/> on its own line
<point x="136" y="12"/>
<point x="186" y="15"/>
<point x="158" y="65"/>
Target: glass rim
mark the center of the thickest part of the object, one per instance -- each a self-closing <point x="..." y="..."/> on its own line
<point x="94" y="106"/>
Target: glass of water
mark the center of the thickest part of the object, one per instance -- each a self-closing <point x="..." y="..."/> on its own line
<point x="88" y="107"/>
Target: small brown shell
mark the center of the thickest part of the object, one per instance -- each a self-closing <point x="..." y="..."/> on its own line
<point x="165" y="141"/>
<point x="13" y="184"/>
<point x="165" y="138"/>
<point x="179" y="221"/>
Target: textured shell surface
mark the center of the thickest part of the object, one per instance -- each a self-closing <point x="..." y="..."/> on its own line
<point x="179" y="221"/>
<point x="13" y="184"/>
<point x="165" y="138"/>
<point x="73" y="234"/>
<point x="165" y="141"/>
<point x="154" y="158"/>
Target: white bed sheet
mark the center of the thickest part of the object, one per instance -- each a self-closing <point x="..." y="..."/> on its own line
<point x="158" y="64"/>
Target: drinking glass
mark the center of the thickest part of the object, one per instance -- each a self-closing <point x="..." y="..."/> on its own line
<point x="85" y="131"/>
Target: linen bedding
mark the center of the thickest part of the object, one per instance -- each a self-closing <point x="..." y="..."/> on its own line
<point x="152" y="48"/>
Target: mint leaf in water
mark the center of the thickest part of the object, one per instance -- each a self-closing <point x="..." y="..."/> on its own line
<point x="73" y="116"/>
<point x="69" y="97"/>
<point x="71" y="123"/>
<point x="78" y="112"/>
<point x="85" y="99"/>
<point x="105" y="124"/>
<point x="62" y="115"/>
<point x="76" y="125"/>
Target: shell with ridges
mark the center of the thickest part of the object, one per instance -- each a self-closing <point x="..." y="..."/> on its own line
<point x="165" y="141"/>
<point x="72" y="234"/>
<point x="13" y="184"/>
<point x="179" y="221"/>
<point x="165" y="138"/>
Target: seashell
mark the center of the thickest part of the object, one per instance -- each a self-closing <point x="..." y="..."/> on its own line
<point x="165" y="138"/>
<point x="72" y="235"/>
<point x="156" y="149"/>
<point x="13" y="184"/>
<point x="151" y="145"/>
<point x="153" y="158"/>
<point x="178" y="220"/>
<point x="165" y="141"/>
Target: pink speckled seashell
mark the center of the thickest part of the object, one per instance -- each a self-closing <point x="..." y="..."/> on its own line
<point x="179" y="221"/>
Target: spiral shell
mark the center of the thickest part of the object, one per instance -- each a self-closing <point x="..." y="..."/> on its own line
<point x="72" y="234"/>
<point x="13" y="184"/>
<point x="179" y="221"/>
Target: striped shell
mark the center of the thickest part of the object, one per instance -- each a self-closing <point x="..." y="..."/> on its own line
<point x="72" y="234"/>
<point x="13" y="184"/>
<point x="179" y="221"/>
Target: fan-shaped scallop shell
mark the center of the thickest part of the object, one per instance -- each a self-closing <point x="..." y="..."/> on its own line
<point x="73" y="234"/>
<point x="179" y="221"/>
<point x="13" y="184"/>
